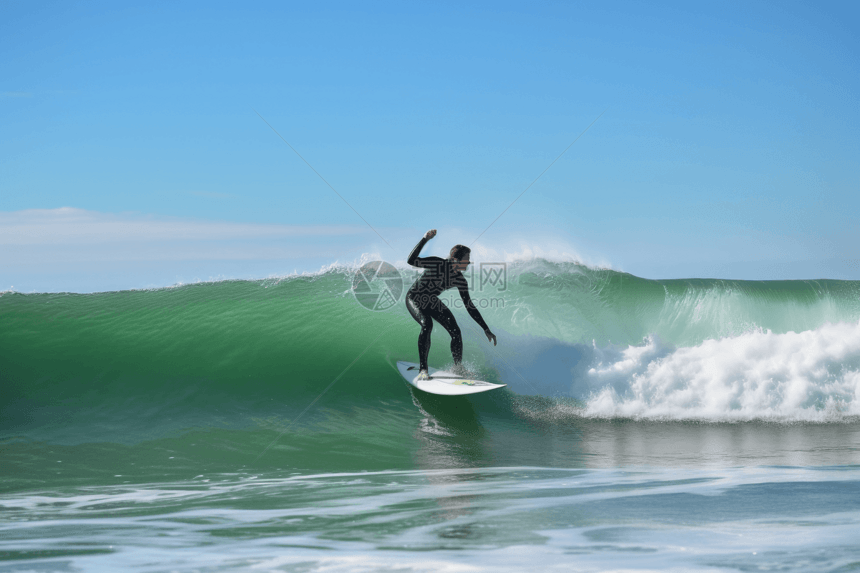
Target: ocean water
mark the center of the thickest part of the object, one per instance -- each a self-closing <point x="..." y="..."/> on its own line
<point x="682" y="425"/>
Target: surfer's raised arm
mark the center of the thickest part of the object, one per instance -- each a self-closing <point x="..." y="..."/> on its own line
<point x="416" y="261"/>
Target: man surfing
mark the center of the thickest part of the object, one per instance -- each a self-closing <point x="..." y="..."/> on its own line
<point x="422" y="299"/>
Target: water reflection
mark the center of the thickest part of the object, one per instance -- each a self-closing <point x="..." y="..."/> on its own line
<point x="502" y="429"/>
<point x="620" y="443"/>
<point x="449" y="433"/>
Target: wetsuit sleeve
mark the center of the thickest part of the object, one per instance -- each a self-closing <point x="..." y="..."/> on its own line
<point x="470" y="306"/>
<point x="417" y="261"/>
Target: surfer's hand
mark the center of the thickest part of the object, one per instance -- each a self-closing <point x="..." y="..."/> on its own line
<point x="490" y="336"/>
<point x="430" y="234"/>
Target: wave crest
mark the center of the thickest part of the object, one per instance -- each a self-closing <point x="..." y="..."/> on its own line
<point x="794" y="376"/>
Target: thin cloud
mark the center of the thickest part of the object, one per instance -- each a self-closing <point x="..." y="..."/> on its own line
<point x="68" y="225"/>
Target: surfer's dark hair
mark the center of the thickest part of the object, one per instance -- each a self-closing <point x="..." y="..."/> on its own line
<point x="460" y="252"/>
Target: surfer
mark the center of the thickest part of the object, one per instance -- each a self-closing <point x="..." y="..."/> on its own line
<point x="422" y="299"/>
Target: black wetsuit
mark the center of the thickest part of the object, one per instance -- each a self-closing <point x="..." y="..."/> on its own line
<point x="422" y="301"/>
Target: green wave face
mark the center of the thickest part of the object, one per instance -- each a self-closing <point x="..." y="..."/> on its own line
<point x="246" y="358"/>
<point x="283" y="338"/>
<point x="578" y="304"/>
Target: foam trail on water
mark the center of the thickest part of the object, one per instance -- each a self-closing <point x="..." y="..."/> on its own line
<point x="794" y="376"/>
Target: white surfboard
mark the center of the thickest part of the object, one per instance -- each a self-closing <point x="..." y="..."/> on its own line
<point x="444" y="383"/>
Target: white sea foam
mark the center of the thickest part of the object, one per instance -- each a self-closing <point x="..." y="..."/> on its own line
<point x="794" y="376"/>
<point x="644" y="519"/>
<point x="511" y="253"/>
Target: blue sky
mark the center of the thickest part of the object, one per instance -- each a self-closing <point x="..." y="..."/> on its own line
<point x="729" y="145"/>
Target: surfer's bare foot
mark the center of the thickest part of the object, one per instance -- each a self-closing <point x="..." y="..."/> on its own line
<point x="422" y="375"/>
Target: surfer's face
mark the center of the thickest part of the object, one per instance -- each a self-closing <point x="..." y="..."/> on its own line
<point x="462" y="264"/>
